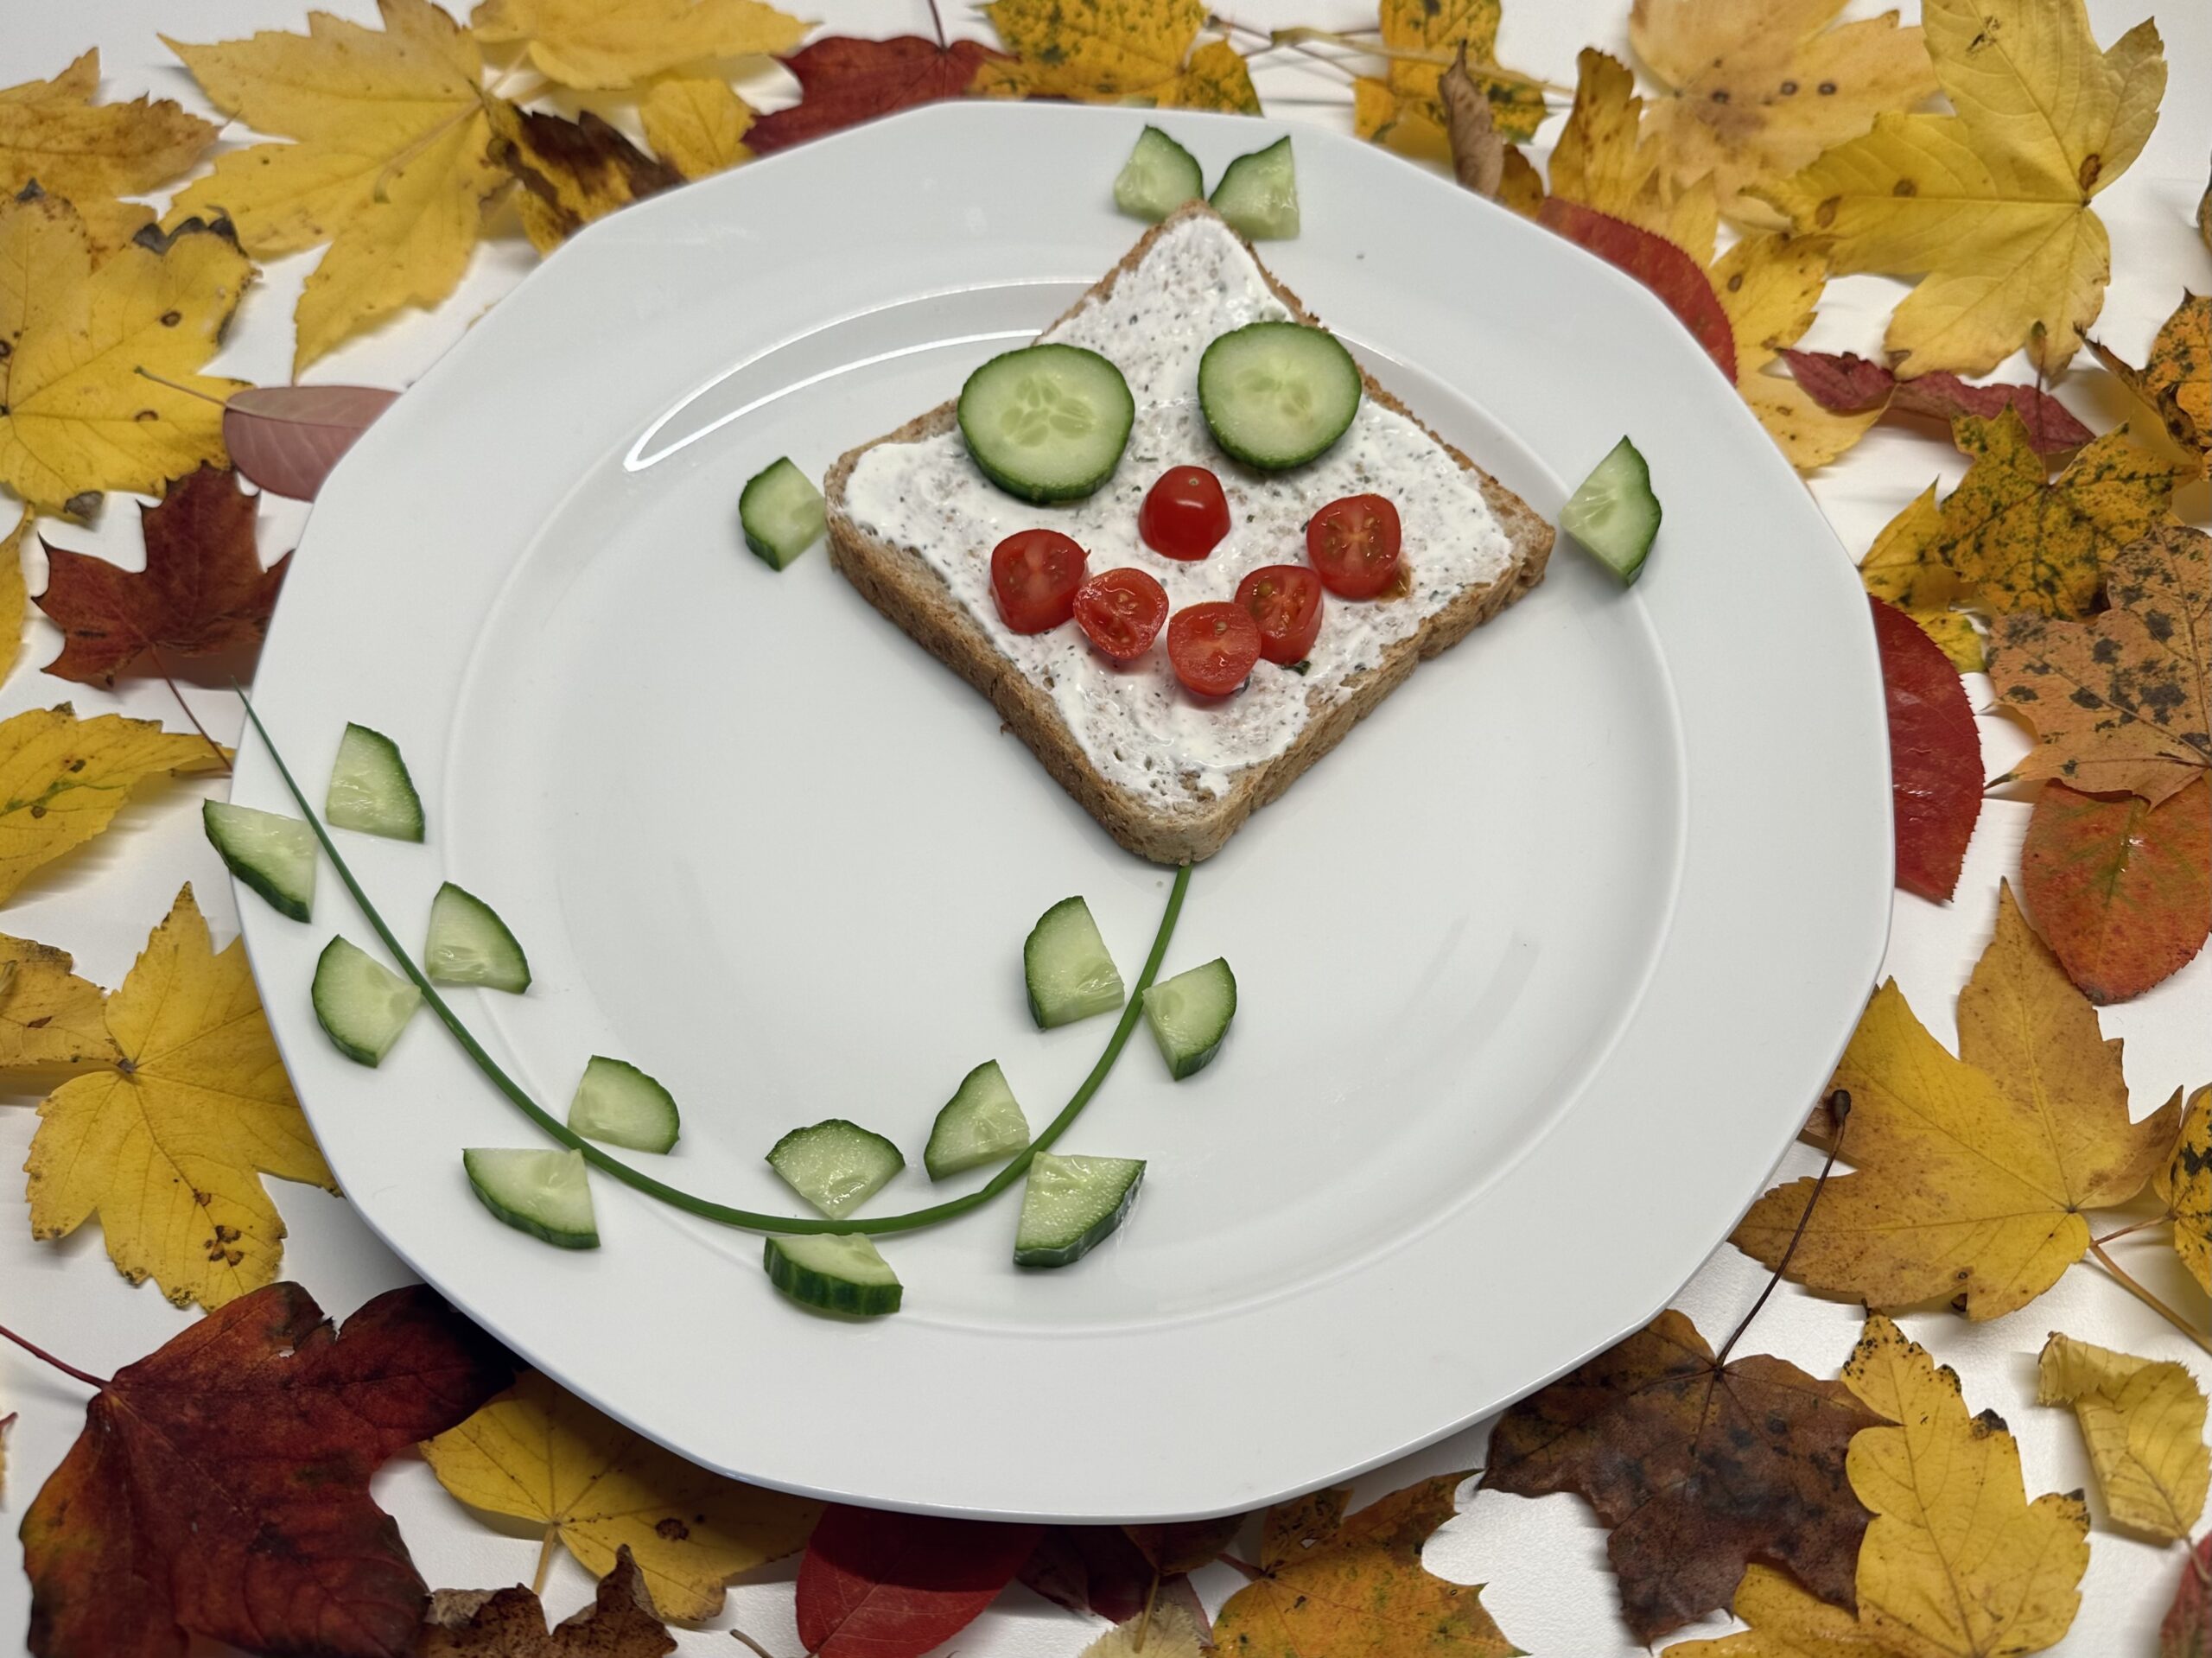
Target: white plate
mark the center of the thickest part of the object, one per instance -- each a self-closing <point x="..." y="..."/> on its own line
<point x="1539" y="971"/>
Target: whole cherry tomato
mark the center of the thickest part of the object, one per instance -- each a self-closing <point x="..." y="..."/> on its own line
<point x="1354" y="546"/>
<point x="1185" y="515"/>
<point x="1285" y="599"/>
<point x="1213" y="647"/>
<point x="1034" y="573"/>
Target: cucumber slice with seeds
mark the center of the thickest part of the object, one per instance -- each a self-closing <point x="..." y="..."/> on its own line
<point x="1066" y="966"/>
<point x="544" y="1193"/>
<point x="781" y="513"/>
<point x="469" y="945"/>
<point x="269" y="852"/>
<point x="618" y="1104"/>
<point x="1277" y="394"/>
<point x="1614" y="514"/>
<point x="1072" y="1205"/>
<point x="370" y="788"/>
<point x="1046" y="423"/>
<point x="1258" y="194"/>
<point x="1190" y="1014"/>
<point x="982" y="1123"/>
<point x="837" y="1272"/>
<point x="361" y="1003"/>
<point x="1158" y="177"/>
<point x="835" y="1166"/>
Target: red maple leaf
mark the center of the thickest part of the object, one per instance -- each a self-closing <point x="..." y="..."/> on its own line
<point x="1660" y="266"/>
<point x="220" y="1487"/>
<point x="203" y="590"/>
<point x="843" y="82"/>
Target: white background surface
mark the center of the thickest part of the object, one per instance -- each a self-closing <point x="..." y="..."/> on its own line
<point x="1543" y="1561"/>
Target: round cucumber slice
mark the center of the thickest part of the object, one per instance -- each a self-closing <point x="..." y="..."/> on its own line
<point x="1278" y="394"/>
<point x="1047" y="422"/>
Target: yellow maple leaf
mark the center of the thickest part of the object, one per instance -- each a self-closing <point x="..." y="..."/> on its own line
<point x="1990" y="207"/>
<point x="1971" y="1172"/>
<point x="164" y="1150"/>
<point x="1603" y="159"/>
<point x="571" y="172"/>
<point x="13" y="599"/>
<point x="1354" y="1586"/>
<point x="76" y="416"/>
<point x="63" y="779"/>
<point x="607" y="43"/>
<point x="1114" y="51"/>
<point x="2184" y="1186"/>
<point x="1904" y="568"/>
<point x="2143" y="1423"/>
<point x="51" y="1021"/>
<point x="1957" y="1562"/>
<point x="1787" y="1621"/>
<point x="1768" y="286"/>
<point x="540" y="1454"/>
<point x="1405" y="110"/>
<point x="1215" y="78"/>
<point x="52" y="133"/>
<point x="389" y="166"/>
<point x="2177" y="380"/>
<point x="697" y="127"/>
<point x="1164" y="1630"/>
<point x="1758" y="91"/>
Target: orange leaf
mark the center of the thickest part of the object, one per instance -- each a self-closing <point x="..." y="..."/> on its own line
<point x="2120" y="890"/>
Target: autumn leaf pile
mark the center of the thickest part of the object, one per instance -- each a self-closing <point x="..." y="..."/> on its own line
<point x="220" y="1487"/>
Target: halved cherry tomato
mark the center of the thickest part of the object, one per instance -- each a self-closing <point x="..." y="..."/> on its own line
<point x="1185" y="515"/>
<point x="1213" y="647"/>
<point x="1354" y="546"/>
<point x="1285" y="599"/>
<point x="1121" y="611"/>
<point x="1034" y="573"/>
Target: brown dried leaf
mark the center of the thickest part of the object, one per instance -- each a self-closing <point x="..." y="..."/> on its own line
<point x="620" y="1622"/>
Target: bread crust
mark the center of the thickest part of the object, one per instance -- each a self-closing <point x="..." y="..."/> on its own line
<point x="898" y="582"/>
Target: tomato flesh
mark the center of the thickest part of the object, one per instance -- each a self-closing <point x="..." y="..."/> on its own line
<point x="1213" y="647"/>
<point x="1035" y="576"/>
<point x="1285" y="599"/>
<point x="1353" y="544"/>
<point x="1122" y="611"/>
<point x="1185" y="515"/>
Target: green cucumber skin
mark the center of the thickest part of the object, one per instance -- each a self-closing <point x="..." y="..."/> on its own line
<point x="359" y="816"/>
<point x="1260" y="220"/>
<point x="625" y="1133"/>
<point x="937" y="1158"/>
<point x="1025" y="489"/>
<point x="559" y="1239"/>
<point x="1039" y="937"/>
<point x="1218" y="420"/>
<point x="358" y="1053"/>
<point x="798" y="1142"/>
<point x="1143" y="189"/>
<point x="1067" y="1255"/>
<point x="782" y="474"/>
<point x="818" y="1292"/>
<point x="1623" y="456"/>
<point x="463" y="909"/>
<point x="285" y="903"/>
<point x="1190" y="1062"/>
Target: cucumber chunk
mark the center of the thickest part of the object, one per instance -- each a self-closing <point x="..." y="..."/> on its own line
<point x="361" y="1003"/>
<point x="781" y="513"/>
<point x="1066" y="966"/>
<point x="835" y="1166"/>
<point x="1190" y="1014"/>
<point x="1071" y="1204"/>
<point x="370" y="789"/>
<point x="837" y="1272"/>
<point x="982" y="1123"/>
<point x="1277" y="394"/>
<point x="618" y="1104"/>
<point x="269" y="852"/>
<point x="1258" y="194"/>
<point x="1613" y="513"/>
<point x="1158" y="177"/>
<point x="544" y="1193"/>
<point x="469" y="945"/>
<point x="1046" y="423"/>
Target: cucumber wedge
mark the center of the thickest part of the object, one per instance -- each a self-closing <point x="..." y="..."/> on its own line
<point x="1066" y="966"/>
<point x="1190" y="1014"/>
<point x="370" y="788"/>
<point x="1276" y="395"/>
<point x="1158" y="177"/>
<point x="982" y="1123"/>
<point x="837" y="1272"/>
<point x="1614" y="514"/>
<point x="544" y="1193"/>
<point x="781" y="513"/>
<point x="1046" y="423"/>
<point x="619" y="1105"/>
<point x="361" y="1003"/>
<point x="1072" y="1205"/>
<point x="835" y="1166"/>
<point x="1258" y="194"/>
<point x="469" y="945"/>
<point x="269" y="852"/>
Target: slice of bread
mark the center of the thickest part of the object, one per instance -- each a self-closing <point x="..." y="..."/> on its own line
<point x="899" y="581"/>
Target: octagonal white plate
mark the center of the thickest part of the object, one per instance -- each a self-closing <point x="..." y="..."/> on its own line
<point x="1539" y="970"/>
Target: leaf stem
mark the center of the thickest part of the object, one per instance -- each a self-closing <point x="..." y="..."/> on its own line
<point x="178" y="385"/>
<point x="1839" y="1110"/>
<point x="937" y="22"/>
<point x="691" y="1203"/>
<point x="1270" y="41"/>
<point x="544" y="1562"/>
<point x="40" y="1354"/>
<point x="1443" y="60"/>
<point x="1144" y="1625"/>
<point x="2155" y="1220"/>
<point x="2136" y="1289"/>
<point x="1254" y="1573"/>
<point x="169" y="679"/>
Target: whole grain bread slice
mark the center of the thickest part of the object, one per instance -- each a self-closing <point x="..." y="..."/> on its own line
<point x="898" y="582"/>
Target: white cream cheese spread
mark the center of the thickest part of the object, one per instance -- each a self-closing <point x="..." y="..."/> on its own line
<point x="1136" y="724"/>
